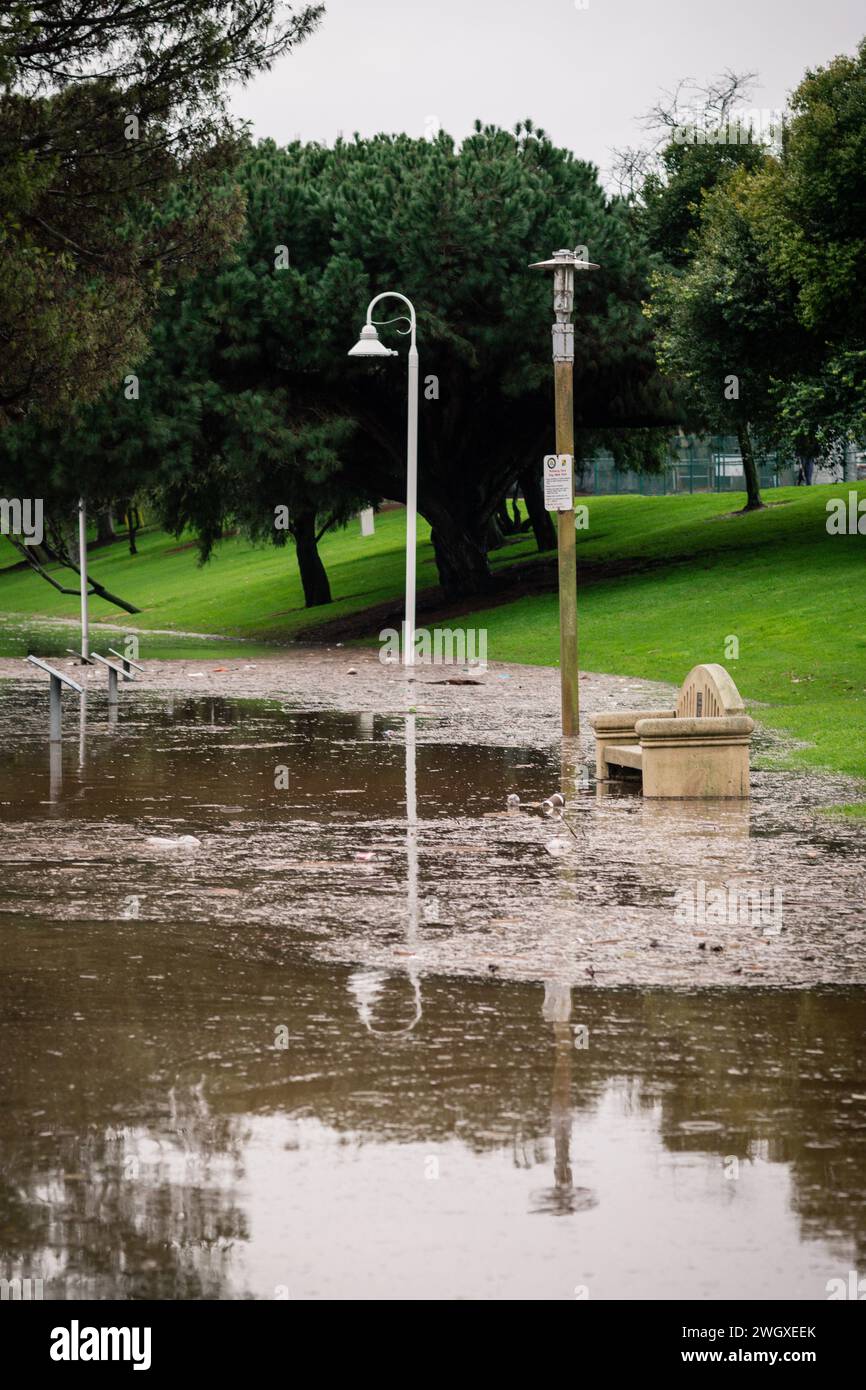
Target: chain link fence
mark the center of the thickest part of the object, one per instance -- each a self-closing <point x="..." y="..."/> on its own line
<point x="702" y="465"/>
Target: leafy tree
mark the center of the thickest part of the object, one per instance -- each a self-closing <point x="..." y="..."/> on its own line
<point x="698" y="140"/>
<point x="712" y="307"/>
<point x="808" y="213"/>
<point x="722" y="330"/>
<point x="105" y="109"/>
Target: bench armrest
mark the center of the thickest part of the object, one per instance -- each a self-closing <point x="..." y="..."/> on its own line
<point x="624" y="719"/>
<point x="652" y="727"/>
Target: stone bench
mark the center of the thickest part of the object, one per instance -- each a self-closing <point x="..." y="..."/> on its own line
<point x="700" y="749"/>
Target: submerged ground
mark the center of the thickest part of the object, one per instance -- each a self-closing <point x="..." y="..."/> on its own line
<point x="293" y="1005"/>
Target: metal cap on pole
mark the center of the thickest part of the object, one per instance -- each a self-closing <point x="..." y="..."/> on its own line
<point x="564" y="263"/>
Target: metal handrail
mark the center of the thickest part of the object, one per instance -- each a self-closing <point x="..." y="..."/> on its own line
<point x="127" y="661"/>
<point x="113" y="666"/>
<point x="57" y="675"/>
<point x="55" y="687"/>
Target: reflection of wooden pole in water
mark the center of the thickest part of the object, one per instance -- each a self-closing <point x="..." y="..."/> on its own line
<point x="563" y="1198"/>
<point x="556" y="1010"/>
<point x="560" y="1109"/>
<point x="570" y="762"/>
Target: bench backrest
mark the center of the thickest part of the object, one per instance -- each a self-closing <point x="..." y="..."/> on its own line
<point x="708" y="693"/>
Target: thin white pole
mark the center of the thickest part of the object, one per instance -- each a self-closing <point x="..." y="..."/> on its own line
<point x="411" y="508"/>
<point x="82" y="565"/>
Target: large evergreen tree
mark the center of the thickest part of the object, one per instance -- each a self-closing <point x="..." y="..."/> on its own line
<point x="454" y="229"/>
<point x="105" y="109"/>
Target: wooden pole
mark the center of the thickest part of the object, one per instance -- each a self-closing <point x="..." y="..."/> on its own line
<point x="563" y="264"/>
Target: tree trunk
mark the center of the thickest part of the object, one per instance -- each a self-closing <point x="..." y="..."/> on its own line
<point x="509" y="525"/>
<point x="495" y="538"/>
<point x="460" y="559"/>
<point x="532" y="488"/>
<point x="314" y="577"/>
<point x="750" y="469"/>
<point x="133" y="521"/>
<point x="105" y="527"/>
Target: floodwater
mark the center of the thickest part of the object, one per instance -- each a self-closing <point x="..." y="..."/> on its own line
<point x="369" y="1034"/>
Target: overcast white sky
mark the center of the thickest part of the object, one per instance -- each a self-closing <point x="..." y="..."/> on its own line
<point x="585" y="75"/>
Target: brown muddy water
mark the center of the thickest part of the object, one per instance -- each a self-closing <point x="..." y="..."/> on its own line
<point x="373" y="1035"/>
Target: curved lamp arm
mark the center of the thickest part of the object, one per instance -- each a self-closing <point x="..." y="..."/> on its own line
<point x="394" y="294"/>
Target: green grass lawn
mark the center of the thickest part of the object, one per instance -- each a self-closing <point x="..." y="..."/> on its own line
<point x="790" y="593"/>
<point x="693" y="576"/>
<point x="244" y="591"/>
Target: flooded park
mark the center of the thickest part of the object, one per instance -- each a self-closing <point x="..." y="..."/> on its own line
<point x="307" y="994"/>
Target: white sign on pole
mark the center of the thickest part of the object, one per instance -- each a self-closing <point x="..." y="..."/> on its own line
<point x="558" y="482"/>
<point x="368" y="525"/>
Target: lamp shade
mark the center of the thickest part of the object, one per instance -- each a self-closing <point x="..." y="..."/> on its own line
<point x="368" y="345"/>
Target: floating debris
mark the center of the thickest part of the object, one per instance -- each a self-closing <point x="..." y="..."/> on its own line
<point x="556" y="846"/>
<point x="173" y="841"/>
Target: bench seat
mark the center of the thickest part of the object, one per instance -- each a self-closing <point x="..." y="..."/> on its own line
<point x="624" y="754"/>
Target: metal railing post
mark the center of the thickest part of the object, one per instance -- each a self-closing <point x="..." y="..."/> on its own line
<point x="55" y="687"/>
<point x="54" y="720"/>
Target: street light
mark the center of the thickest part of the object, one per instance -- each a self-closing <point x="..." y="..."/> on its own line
<point x="564" y="264"/>
<point x="369" y="345"/>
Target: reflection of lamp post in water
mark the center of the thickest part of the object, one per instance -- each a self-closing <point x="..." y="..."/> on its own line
<point x="367" y="985"/>
<point x="411" y="835"/>
<point x="563" y="1199"/>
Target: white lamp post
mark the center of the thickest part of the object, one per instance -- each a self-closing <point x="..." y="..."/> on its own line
<point x="368" y="345"/>
<point x="82" y="566"/>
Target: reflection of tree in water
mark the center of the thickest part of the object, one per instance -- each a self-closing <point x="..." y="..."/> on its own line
<point x="137" y="1212"/>
<point x="170" y="1074"/>
<point x="775" y="1073"/>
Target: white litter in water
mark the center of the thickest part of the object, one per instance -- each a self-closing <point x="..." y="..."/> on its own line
<point x="173" y="842"/>
<point x="556" y="847"/>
